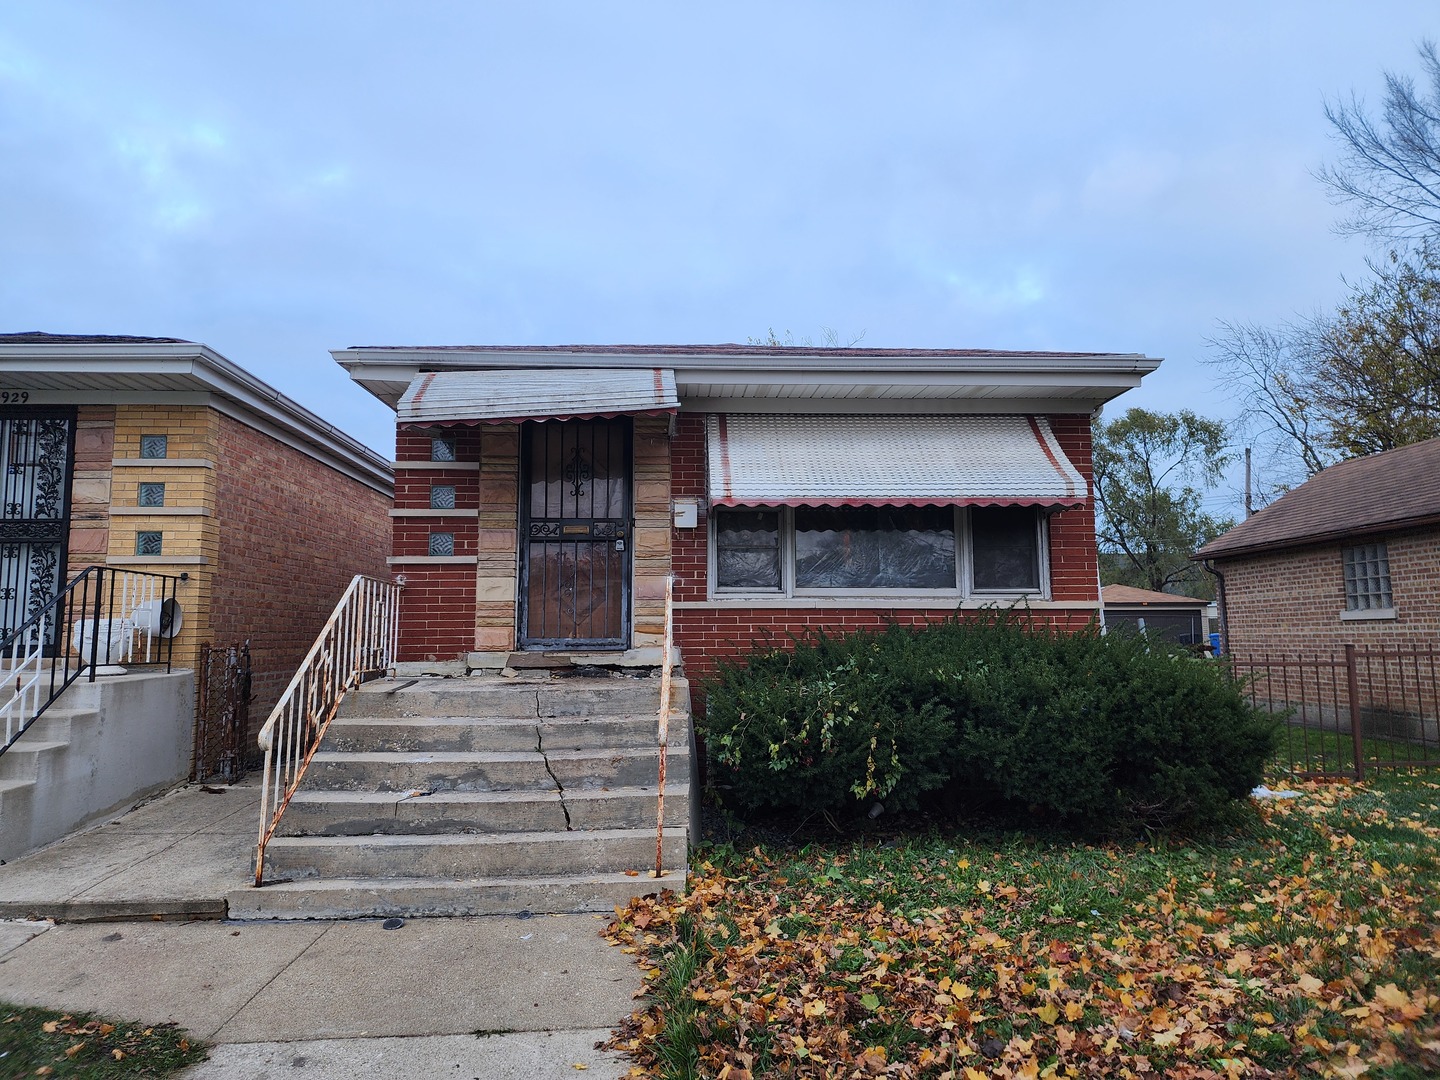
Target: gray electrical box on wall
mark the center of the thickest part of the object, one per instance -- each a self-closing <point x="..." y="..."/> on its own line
<point x="686" y="513"/>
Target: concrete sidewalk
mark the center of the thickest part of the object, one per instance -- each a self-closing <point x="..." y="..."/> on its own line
<point x="478" y="997"/>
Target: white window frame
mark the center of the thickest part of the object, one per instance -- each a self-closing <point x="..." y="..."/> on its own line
<point x="964" y="566"/>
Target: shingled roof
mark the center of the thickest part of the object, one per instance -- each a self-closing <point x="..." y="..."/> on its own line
<point x="1384" y="492"/>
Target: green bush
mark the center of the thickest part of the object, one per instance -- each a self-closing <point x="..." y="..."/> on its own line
<point x="1102" y="733"/>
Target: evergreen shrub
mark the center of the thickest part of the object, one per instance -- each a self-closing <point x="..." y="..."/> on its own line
<point x="1103" y="733"/>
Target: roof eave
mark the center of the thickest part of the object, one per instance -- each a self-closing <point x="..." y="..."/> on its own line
<point x="1206" y="554"/>
<point x="212" y="373"/>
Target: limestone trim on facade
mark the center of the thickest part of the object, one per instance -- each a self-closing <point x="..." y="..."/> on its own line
<point x="160" y="511"/>
<point x="163" y="463"/>
<point x="157" y="560"/>
<point x="449" y="466"/>
<point x="425" y="512"/>
<point x="1370" y="615"/>
<point x="432" y="560"/>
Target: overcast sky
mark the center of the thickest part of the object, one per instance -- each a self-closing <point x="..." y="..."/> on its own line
<point x="281" y="179"/>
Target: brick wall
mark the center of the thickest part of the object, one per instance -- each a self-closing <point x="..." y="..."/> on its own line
<point x="721" y="629"/>
<point x="1290" y="602"/>
<point x="292" y="532"/>
<point x="439" y="609"/>
<point x="90" y="488"/>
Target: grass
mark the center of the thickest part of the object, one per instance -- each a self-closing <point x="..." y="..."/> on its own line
<point x="1304" y="940"/>
<point x="1312" y="750"/>
<point x="46" y="1043"/>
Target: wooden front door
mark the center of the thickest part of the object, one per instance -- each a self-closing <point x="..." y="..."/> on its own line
<point x="575" y="534"/>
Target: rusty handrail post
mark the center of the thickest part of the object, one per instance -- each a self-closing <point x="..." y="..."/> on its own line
<point x="1353" y="679"/>
<point x="664" y="723"/>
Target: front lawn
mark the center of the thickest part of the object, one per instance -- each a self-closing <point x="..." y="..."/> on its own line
<point x="46" y="1043"/>
<point x="1306" y="942"/>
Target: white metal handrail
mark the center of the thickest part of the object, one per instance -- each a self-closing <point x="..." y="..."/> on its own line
<point x="25" y="682"/>
<point x="664" y="732"/>
<point x="359" y="639"/>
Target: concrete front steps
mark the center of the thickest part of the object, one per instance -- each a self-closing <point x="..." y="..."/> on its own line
<point x="483" y="795"/>
<point x="32" y="766"/>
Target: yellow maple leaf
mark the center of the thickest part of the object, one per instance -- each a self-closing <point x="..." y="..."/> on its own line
<point x="1074" y="1011"/>
<point x="814" y="1008"/>
<point x="1309" y="984"/>
<point x="1048" y="1012"/>
<point x="1391" y="996"/>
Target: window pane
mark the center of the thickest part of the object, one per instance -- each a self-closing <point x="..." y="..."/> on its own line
<point x="747" y="549"/>
<point x="1006" y="548"/>
<point x="1367" y="578"/>
<point x="442" y="544"/>
<point x="152" y="495"/>
<point x="875" y="547"/>
<point x="148" y="543"/>
<point x="442" y="497"/>
<point x="442" y="449"/>
<point x="153" y="446"/>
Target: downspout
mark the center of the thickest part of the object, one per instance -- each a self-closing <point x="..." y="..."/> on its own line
<point x="1220" y="605"/>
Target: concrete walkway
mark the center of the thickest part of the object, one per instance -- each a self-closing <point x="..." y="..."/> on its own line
<point x="478" y="997"/>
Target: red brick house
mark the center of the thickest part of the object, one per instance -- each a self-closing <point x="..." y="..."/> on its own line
<point x="544" y="493"/>
<point x="1351" y="556"/>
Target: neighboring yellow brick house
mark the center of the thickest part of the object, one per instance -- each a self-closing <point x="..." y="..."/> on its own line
<point x="160" y="455"/>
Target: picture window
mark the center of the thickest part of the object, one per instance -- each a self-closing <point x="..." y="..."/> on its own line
<point x="977" y="551"/>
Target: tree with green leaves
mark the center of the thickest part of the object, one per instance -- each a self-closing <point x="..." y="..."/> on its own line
<point x="1152" y="471"/>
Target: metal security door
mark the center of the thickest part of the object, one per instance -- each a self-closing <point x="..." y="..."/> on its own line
<point x="575" y="534"/>
<point x="36" y="449"/>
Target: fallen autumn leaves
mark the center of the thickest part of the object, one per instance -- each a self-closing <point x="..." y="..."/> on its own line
<point x="1308" y="946"/>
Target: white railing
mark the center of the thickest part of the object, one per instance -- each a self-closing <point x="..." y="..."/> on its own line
<point x="359" y="639"/>
<point x="26" y="683"/>
<point x="102" y="618"/>
<point x="664" y="732"/>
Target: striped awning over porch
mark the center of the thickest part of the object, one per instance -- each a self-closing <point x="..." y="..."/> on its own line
<point x="792" y="460"/>
<point x="444" y="398"/>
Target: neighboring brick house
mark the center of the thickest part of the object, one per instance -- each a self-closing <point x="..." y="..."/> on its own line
<point x="166" y="457"/>
<point x="545" y="493"/>
<point x="1351" y="556"/>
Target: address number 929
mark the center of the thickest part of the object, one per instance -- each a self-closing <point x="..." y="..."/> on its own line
<point x="14" y="397"/>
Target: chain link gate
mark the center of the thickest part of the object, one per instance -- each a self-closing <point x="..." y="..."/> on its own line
<point x="222" y="715"/>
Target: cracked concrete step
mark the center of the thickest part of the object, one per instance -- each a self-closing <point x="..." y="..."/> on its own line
<point x="358" y="898"/>
<point x="463" y="855"/>
<point x="362" y="813"/>
<point x="355" y="734"/>
<point x="489" y="697"/>
<point x="493" y="771"/>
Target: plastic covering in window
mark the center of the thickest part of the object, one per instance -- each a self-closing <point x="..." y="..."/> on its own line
<point x="747" y="549"/>
<point x="890" y="547"/>
<point x="1006" y="547"/>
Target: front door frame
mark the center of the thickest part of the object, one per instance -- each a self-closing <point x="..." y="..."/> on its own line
<point x="620" y="529"/>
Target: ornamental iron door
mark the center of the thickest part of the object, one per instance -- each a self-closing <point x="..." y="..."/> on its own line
<point x="36" y="449"/>
<point x="575" y="534"/>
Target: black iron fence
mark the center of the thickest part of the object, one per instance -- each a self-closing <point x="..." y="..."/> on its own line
<point x="222" y="712"/>
<point x="104" y="620"/>
<point x="1352" y="710"/>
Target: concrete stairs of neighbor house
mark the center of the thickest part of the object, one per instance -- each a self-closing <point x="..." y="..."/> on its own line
<point x="483" y="795"/>
<point x="29" y="767"/>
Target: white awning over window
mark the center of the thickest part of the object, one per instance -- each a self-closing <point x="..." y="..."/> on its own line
<point x="789" y="460"/>
<point x="492" y="397"/>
